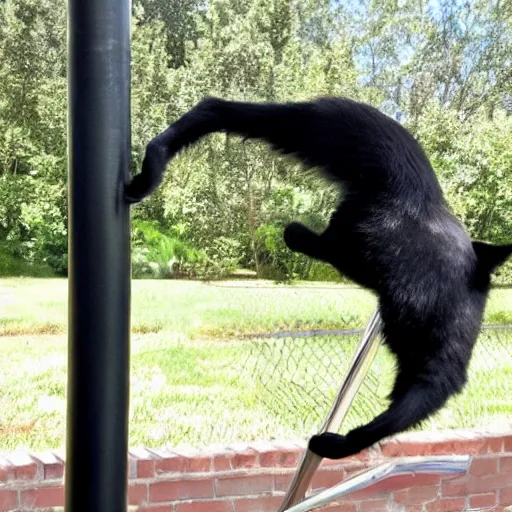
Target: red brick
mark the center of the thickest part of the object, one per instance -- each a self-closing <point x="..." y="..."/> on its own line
<point x="447" y="505"/>
<point x="391" y="449"/>
<point x="507" y="444"/>
<point x="465" y="446"/>
<point x="205" y="506"/>
<point x="6" y="470"/>
<point x="53" y="471"/>
<point x="271" y="460"/>
<point x="407" y="481"/>
<point x="176" y="463"/>
<point x="247" y="459"/>
<point x="458" y="446"/>
<point x="401" y="496"/>
<point x="395" y="483"/>
<point x="53" y="467"/>
<point x="487" y="483"/>
<point x="145" y="468"/>
<point x="197" y="464"/>
<point x="169" y="464"/>
<point x="505" y="496"/>
<point x="492" y="445"/>
<point x="243" y="485"/>
<point x="280" y="458"/>
<point x="373" y="506"/>
<point x="482" y="500"/>
<point x="262" y="504"/>
<point x="181" y="490"/>
<point x="484" y="466"/>
<point x="341" y="507"/>
<point x="282" y="482"/>
<point x="222" y="462"/>
<point x="24" y="467"/>
<point x="143" y="461"/>
<point x="137" y="494"/>
<point x="363" y="456"/>
<point x="8" y="499"/>
<point x="417" y="495"/>
<point x="326" y="478"/>
<point x="25" y="472"/>
<point x="336" y="462"/>
<point x="156" y="508"/>
<point x="505" y="464"/>
<point x="43" y="497"/>
<point x="398" y="448"/>
<point x="454" y="488"/>
<point x="354" y="469"/>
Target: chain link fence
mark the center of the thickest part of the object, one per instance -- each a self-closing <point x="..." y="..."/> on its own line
<point x="282" y="386"/>
<point x="297" y="376"/>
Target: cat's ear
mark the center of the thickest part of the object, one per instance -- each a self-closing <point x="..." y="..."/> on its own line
<point x="491" y="256"/>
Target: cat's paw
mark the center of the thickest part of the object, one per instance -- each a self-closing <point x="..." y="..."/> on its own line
<point x="297" y="236"/>
<point x="137" y="189"/>
<point x="330" y="446"/>
<point x="150" y="177"/>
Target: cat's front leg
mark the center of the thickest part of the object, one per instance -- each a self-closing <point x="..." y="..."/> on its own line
<point x="299" y="238"/>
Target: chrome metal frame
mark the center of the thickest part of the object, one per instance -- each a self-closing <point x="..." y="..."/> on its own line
<point x="295" y="501"/>
<point x="407" y="465"/>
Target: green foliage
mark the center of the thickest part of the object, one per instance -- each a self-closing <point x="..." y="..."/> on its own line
<point x="161" y="255"/>
<point x="276" y="260"/>
<point x="279" y="263"/>
<point x="320" y="271"/>
<point x="503" y="275"/>
<point x="13" y="265"/>
<point x="474" y="163"/>
<point x="223" y="203"/>
<point x="46" y="227"/>
<point x="166" y="255"/>
<point x="223" y="257"/>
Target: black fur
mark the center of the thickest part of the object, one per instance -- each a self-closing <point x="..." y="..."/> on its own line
<point x="392" y="233"/>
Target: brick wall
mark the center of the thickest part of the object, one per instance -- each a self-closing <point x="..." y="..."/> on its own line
<point x="254" y="477"/>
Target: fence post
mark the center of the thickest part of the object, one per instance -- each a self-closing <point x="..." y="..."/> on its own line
<point x="99" y="255"/>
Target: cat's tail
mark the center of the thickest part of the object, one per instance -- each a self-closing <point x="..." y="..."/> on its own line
<point x="287" y="127"/>
<point x="408" y="408"/>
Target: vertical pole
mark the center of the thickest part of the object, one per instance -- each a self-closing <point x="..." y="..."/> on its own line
<point x="99" y="255"/>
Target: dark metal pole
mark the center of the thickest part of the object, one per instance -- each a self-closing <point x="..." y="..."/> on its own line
<point x="99" y="255"/>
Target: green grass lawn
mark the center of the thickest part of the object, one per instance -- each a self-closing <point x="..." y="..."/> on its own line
<point x="193" y="309"/>
<point x="194" y="380"/>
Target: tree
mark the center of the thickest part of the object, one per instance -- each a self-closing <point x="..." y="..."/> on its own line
<point x="442" y="68"/>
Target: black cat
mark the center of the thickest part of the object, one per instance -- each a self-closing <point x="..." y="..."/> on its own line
<point x="392" y="233"/>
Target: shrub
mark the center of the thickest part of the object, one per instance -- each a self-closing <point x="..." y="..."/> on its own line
<point x="276" y="260"/>
<point x="159" y="255"/>
<point x="13" y="265"/>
